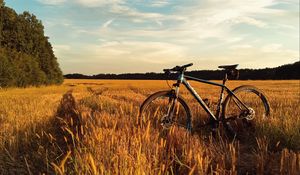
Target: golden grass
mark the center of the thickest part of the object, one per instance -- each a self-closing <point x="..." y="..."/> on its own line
<point x="44" y="131"/>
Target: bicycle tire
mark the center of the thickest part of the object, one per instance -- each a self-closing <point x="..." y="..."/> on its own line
<point x="235" y="128"/>
<point x="171" y="95"/>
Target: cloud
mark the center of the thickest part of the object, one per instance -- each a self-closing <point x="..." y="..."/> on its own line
<point x="52" y="2"/>
<point x="278" y="50"/>
<point x="251" y="21"/>
<point x="147" y="52"/>
<point x="241" y="46"/>
<point x="127" y="56"/>
<point x="107" y="23"/>
<point x="162" y="32"/>
<point x="159" y="3"/>
<point x="272" y="48"/>
<point x="269" y="55"/>
<point x="61" y="49"/>
<point x="98" y="3"/>
<point x="193" y="23"/>
<point x="126" y="11"/>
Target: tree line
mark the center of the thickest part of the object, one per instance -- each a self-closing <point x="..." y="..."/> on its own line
<point x="285" y="72"/>
<point x="26" y="55"/>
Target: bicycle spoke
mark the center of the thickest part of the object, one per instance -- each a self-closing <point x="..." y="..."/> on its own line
<point x="240" y="120"/>
<point x="237" y="103"/>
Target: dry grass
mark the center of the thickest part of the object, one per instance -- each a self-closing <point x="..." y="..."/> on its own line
<point x="90" y="127"/>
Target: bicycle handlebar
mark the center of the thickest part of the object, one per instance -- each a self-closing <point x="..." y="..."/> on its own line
<point x="177" y="68"/>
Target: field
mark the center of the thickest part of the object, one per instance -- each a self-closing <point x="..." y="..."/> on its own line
<point x="90" y="127"/>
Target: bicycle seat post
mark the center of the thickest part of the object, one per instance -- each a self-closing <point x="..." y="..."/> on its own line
<point x="225" y="78"/>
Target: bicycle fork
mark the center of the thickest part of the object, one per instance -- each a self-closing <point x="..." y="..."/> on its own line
<point x="172" y="102"/>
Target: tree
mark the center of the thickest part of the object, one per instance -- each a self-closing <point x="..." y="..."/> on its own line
<point x="25" y="46"/>
<point x="2" y="3"/>
<point x="6" y="72"/>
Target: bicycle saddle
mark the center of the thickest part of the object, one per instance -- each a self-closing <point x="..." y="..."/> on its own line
<point x="228" y="67"/>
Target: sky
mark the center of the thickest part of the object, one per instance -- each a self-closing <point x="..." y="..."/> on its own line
<point x="118" y="36"/>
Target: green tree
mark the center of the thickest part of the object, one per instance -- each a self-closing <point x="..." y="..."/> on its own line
<point x="1" y="20"/>
<point x="6" y="72"/>
<point x="26" y="47"/>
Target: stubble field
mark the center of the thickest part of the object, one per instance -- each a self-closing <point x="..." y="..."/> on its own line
<point x="90" y="127"/>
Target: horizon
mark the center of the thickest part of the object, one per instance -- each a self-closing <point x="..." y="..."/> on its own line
<point x="190" y="70"/>
<point x="93" y="36"/>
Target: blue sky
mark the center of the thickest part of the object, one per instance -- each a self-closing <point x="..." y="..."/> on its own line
<point x="100" y="36"/>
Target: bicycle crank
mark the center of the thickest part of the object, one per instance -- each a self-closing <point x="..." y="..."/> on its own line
<point x="249" y="114"/>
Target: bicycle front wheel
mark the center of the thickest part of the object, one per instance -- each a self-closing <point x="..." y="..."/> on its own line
<point x="243" y="120"/>
<point x="156" y="108"/>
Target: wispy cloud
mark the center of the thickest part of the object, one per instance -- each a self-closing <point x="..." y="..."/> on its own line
<point x="251" y="21"/>
<point x="161" y="32"/>
<point x="98" y="3"/>
<point x="159" y="3"/>
<point x="52" y="2"/>
<point x="147" y="52"/>
<point x="107" y="23"/>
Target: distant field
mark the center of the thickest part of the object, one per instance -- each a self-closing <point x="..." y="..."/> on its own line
<point x="90" y="127"/>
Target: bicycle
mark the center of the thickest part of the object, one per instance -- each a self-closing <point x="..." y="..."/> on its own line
<point x="168" y="108"/>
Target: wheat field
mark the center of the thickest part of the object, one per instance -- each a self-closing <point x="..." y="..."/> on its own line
<point x="90" y="127"/>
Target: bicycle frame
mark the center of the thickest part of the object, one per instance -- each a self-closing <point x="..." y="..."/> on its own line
<point x="182" y="79"/>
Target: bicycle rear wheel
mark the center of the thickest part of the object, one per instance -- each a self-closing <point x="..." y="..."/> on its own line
<point x="155" y="109"/>
<point x="238" y="121"/>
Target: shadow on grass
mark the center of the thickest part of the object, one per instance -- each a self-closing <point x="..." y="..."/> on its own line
<point x="42" y="147"/>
